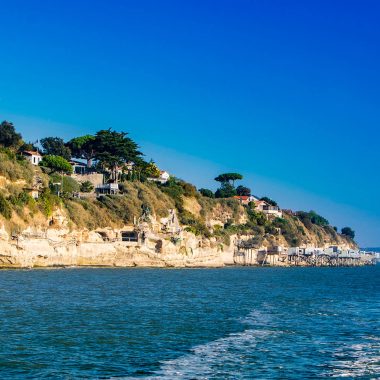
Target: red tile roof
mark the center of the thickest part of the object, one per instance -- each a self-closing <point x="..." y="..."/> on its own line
<point x="31" y="153"/>
<point x="241" y="197"/>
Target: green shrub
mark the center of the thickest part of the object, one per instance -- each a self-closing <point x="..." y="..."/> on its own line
<point x="56" y="164"/>
<point x="348" y="231"/>
<point x="47" y="202"/>
<point x="20" y="199"/>
<point x="67" y="187"/>
<point x="5" y="208"/>
<point x="86" y="187"/>
<point x="175" y="191"/>
<point x="312" y="217"/>
<point x="207" y="193"/>
<point x="14" y="167"/>
<point x="189" y="190"/>
<point x="194" y="225"/>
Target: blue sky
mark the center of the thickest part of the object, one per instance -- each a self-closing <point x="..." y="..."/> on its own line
<point x="285" y="92"/>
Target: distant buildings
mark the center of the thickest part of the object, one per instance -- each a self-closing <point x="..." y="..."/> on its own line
<point x="260" y="205"/>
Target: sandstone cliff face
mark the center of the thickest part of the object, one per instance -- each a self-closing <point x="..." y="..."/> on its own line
<point x="62" y="240"/>
<point x="165" y="244"/>
<point x="55" y="248"/>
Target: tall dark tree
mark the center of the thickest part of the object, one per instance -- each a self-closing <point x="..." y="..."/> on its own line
<point x="243" y="191"/>
<point x="28" y="146"/>
<point x="9" y="138"/>
<point x="229" y="177"/>
<point x="83" y="147"/>
<point x="269" y="201"/>
<point x="55" y="146"/>
<point x="347" y="231"/>
<point x="207" y="193"/>
<point x="113" y="149"/>
<point x="226" y="190"/>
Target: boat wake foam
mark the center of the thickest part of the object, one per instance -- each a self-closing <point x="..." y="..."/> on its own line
<point x="224" y="357"/>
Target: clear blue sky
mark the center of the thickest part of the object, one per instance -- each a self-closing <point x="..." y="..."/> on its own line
<point x="285" y="92"/>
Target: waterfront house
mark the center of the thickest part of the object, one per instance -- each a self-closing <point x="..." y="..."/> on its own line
<point x="294" y="251"/>
<point x="333" y="250"/>
<point x="33" y="156"/>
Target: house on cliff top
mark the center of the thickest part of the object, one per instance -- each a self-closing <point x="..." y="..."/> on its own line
<point x="245" y="199"/>
<point x="268" y="209"/>
<point x="33" y="156"/>
<point x="163" y="177"/>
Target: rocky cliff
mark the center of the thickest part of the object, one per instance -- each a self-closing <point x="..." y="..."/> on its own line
<point x="146" y="224"/>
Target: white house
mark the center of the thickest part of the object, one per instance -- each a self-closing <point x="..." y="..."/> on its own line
<point x="125" y="168"/>
<point x="268" y="209"/>
<point x="78" y="167"/>
<point x="163" y="178"/>
<point x="33" y="157"/>
<point x="245" y="199"/>
<point x="107" y="188"/>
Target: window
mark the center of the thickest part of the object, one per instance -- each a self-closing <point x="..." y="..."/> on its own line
<point x="129" y="236"/>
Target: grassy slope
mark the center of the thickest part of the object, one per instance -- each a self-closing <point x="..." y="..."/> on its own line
<point x="218" y="218"/>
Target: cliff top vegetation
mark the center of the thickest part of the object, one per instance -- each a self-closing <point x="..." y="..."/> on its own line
<point x="118" y="158"/>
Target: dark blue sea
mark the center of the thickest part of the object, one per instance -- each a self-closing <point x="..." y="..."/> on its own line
<point x="232" y="323"/>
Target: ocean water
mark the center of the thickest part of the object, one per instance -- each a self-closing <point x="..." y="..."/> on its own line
<point x="232" y="323"/>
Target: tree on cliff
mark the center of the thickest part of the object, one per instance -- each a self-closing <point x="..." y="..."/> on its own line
<point x="227" y="187"/>
<point x="229" y="178"/>
<point x="83" y="147"/>
<point x="347" y="231"/>
<point x="113" y="149"/>
<point x="207" y="193"/>
<point x="310" y="218"/>
<point x="55" y="146"/>
<point x="151" y="170"/>
<point x="243" y="191"/>
<point x="56" y="164"/>
<point x="86" y="187"/>
<point x="226" y="190"/>
<point x="269" y="201"/>
<point x="9" y="138"/>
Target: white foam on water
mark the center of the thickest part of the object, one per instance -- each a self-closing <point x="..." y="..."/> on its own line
<point x="224" y="357"/>
<point x="357" y="360"/>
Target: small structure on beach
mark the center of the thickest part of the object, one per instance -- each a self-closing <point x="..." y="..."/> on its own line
<point x="246" y="254"/>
